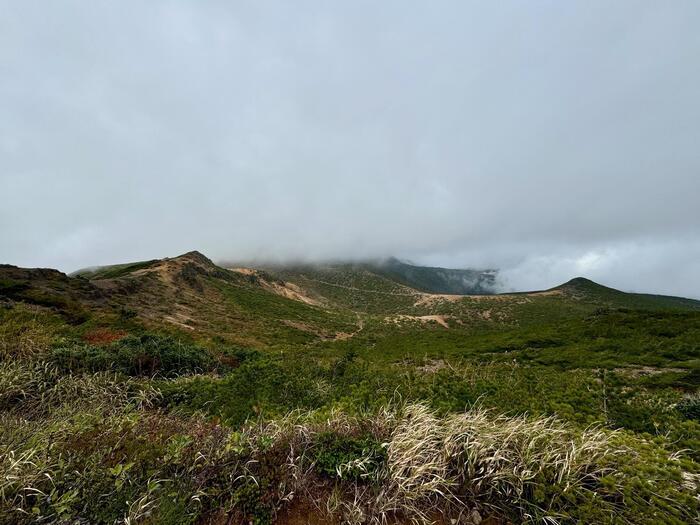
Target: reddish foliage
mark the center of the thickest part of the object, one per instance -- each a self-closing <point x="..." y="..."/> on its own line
<point x="103" y="336"/>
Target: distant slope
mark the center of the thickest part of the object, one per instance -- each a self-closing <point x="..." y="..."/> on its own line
<point x="437" y="280"/>
<point x="353" y="286"/>
<point x="394" y="276"/>
<point x="392" y="286"/>
<point x="111" y="271"/>
<point x="583" y="288"/>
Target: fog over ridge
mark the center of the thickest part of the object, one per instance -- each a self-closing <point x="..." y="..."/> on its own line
<point x="547" y="140"/>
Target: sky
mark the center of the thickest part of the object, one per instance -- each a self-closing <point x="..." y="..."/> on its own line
<point x="546" y="139"/>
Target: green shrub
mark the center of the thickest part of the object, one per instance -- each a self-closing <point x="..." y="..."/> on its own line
<point x="258" y="386"/>
<point x="348" y="457"/>
<point x="145" y="355"/>
<point x="690" y="408"/>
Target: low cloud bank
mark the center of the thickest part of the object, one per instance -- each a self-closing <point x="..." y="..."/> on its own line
<point x="665" y="267"/>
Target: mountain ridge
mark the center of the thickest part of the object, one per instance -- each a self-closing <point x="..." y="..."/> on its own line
<point x="390" y="268"/>
<point x="306" y="302"/>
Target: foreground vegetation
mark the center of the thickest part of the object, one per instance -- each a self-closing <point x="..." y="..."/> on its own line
<point x="551" y="410"/>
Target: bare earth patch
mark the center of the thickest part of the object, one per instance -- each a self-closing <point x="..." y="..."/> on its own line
<point x="432" y="365"/>
<point x="173" y="320"/>
<point x="429" y="299"/>
<point x="642" y="371"/>
<point x="439" y="319"/>
<point x="285" y="289"/>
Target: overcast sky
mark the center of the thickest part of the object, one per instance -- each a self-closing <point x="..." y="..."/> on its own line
<point x="546" y="139"/>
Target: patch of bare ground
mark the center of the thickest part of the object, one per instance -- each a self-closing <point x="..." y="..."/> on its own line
<point x="504" y="298"/>
<point x="432" y="365"/>
<point x="429" y="299"/>
<point x="426" y="366"/>
<point x="174" y="320"/>
<point x="166" y="270"/>
<point x="439" y="319"/>
<point x="344" y="336"/>
<point x="283" y="288"/>
<point x="181" y="316"/>
<point x="642" y="371"/>
<point x="434" y="299"/>
<point x="244" y="271"/>
<point x="303" y="513"/>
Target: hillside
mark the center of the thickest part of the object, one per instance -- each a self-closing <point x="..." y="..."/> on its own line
<point x="178" y="391"/>
<point x="438" y="280"/>
<point x="581" y="287"/>
<point x="190" y="293"/>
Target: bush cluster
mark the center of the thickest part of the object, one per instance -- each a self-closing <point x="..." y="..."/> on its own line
<point x="144" y="355"/>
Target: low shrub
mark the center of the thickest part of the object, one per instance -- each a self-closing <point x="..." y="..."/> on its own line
<point x="689" y="407"/>
<point x="348" y="457"/>
<point x="144" y="355"/>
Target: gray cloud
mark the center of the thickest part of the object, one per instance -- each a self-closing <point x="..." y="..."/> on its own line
<point x="548" y="139"/>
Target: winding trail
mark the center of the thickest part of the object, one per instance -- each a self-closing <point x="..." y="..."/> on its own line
<point x="343" y="336"/>
<point x="365" y="290"/>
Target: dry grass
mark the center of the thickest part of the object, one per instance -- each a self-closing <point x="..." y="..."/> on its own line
<point x="36" y="387"/>
<point x="25" y="334"/>
<point x="522" y="469"/>
<point x="476" y="459"/>
<point x="501" y="460"/>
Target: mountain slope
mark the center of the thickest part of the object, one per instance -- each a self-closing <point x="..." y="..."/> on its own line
<point x="583" y="288"/>
<point x="438" y="280"/>
<point x="299" y="303"/>
<point x="189" y="293"/>
<point x="348" y="285"/>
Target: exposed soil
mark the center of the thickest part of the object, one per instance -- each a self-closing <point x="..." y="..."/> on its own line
<point x="302" y="513"/>
<point x="429" y="299"/>
<point x="439" y="319"/>
<point x="646" y="371"/>
<point x="343" y="336"/>
<point x="432" y="366"/>
<point x="285" y="289"/>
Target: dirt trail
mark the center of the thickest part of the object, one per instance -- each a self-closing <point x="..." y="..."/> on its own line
<point x="366" y="290"/>
<point x="344" y="336"/>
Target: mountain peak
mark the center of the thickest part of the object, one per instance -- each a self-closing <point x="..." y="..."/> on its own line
<point x="580" y="281"/>
<point x="196" y="257"/>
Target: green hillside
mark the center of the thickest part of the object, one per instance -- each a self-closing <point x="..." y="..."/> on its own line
<point x="438" y="280"/>
<point x="352" y="286"/>
<point x="598" y="293"/>
<point x="113" y="271"/>
<point x="176" y="391"/>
